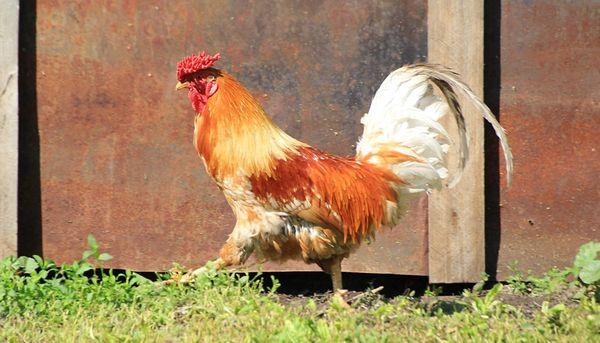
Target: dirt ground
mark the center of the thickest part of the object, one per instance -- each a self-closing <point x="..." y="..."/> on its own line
<point x="528" y="304"/>
<point x="365" y="291"/>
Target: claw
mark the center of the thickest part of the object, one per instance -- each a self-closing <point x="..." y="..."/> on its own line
<point x="177" y="277"/>
<point x="188" y="277"/>
<point x="191" y="275"/>
<point x="168" y="282"/>
<point x="338" y="297"/>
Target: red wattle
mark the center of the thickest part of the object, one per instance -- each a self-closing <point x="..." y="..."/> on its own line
<point x="197" y="99"/>
<point x="199" y="94"/>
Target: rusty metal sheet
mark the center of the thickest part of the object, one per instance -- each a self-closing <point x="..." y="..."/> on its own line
<point x="550" y="106"/>
<point x="115" y="139"/>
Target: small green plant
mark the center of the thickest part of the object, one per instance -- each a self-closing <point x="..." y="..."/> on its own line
<point x="433" y="291"/>
<point x="517" y="279"/>
<point x="553" y="314"/>
<point x="587" y="265"/>
<point x="486" y="305"/>
<point x="94" y="252"/>
<point x="551" y="281"/>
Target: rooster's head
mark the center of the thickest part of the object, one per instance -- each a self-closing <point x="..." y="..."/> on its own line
<point x="195" y="73"/>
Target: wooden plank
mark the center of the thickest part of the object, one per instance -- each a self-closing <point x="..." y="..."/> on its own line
<point x="456" y="216"/>
<point x="9" y="125"/>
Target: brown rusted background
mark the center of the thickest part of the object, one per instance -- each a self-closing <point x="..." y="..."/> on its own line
<point x="116" y="158"/>
<point x="550" y="78"/>
<point x="115" y="139"/>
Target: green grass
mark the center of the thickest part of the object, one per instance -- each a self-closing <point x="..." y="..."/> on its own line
<point x="43" y="302"/>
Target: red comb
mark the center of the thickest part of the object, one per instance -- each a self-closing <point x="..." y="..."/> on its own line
<point x="194" y="63"/>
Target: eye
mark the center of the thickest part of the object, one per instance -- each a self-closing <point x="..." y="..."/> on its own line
<point x="210" y="78"/>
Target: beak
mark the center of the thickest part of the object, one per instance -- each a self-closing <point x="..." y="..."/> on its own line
<point x="181" y="85"/>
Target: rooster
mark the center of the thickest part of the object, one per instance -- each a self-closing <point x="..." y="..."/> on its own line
<point x="293" y="201"/>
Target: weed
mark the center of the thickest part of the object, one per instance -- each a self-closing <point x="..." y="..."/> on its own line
<point x="94" y="253"/>
<point x="42" y="301"/>
<point x="551" y="281"/>
<point x="487" y="305"/>
<point x="587" y="265"/>
<point x="433" y="291"/>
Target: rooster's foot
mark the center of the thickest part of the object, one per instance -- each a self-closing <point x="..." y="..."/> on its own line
<point x="177" y="277"/>
<point x="339" y="297"/>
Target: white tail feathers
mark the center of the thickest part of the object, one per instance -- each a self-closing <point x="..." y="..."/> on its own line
<point x="404" y="118"/>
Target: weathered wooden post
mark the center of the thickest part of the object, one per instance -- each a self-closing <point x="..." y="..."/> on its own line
<point x="9" y="125"/>
<point x="457" y="216"/>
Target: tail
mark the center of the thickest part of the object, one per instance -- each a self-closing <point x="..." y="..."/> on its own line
<point x="404" y="120"/>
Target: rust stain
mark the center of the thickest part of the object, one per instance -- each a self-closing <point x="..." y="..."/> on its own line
<point x="117" y="158"/>
<point x="549" y="105"/>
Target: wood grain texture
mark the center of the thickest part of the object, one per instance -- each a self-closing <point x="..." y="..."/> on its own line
<point x="456" y="216"/>
<point x="9" y="127"/>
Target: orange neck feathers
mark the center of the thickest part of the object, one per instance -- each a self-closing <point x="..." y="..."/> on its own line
<point x="235" y="136"/>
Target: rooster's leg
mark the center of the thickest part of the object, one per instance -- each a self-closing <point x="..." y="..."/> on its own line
<point x="233" y="253"/>
<point x="336" y="273"/>
<point x="333" y="267"/>
<point x="189" y="276"/>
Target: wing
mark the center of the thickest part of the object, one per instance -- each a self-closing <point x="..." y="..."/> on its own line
<point x="329" y="191"/>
